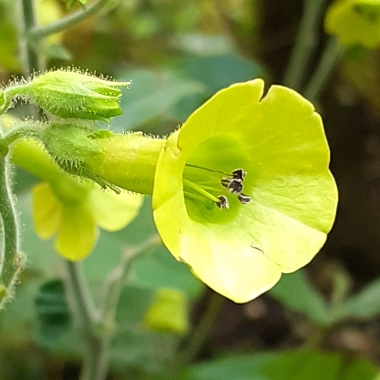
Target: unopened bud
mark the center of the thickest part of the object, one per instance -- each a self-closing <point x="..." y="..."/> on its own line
<point x="71" y="94"/>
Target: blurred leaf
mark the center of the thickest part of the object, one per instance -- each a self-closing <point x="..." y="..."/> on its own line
<point x="161" y="269"/>
<point x="151" y="270"/>
<point x="150" y="96"/>
<point x="295" y="365"/>
<point x="219" y="71"/>
<point x="214" y="72"/>
<point x="133" y="345"/>
<point x="364" y="305"/>
<point x="57" y="51"/>
<point x="359" y="369"/>
<point x="203" y="44"/>
<point x="18" y="320"/>
<point x="134" y="303"/>
<point x="53" y="312"/>
<point x="295" y="292"/>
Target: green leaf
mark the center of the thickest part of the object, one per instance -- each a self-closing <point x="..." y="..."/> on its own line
<point x="295" y="292"/>
<point x="295" y="365"/>
<point x="219" y="71"/>
<point x="364" y="305"/>
<point x="150" y="96"/>
<point x="53" y="312"/>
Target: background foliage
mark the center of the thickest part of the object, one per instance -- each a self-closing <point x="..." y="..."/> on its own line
<point x="318" y="323"/>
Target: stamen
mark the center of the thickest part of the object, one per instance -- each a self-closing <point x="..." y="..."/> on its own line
<point x="200" y="190"/>
<point x="202" y="187"/>
<point x="239" y="174"/>
<point x="235" y="186"/>
<point x="225" y="182"/>
<point x="243" y="198"/>
<point x="209" y="170"/>
<point x="223" y="202"/>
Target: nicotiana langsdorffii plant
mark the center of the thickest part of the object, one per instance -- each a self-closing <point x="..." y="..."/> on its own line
<point x="241" y="191"/>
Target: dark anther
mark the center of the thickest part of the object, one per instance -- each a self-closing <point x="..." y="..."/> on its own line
<point x="235" y="186"/>
<point x="243" y="198"/>
<point x="225" y="182"/>
<point x="238" y="174"/>
<point x="223" y="202"/>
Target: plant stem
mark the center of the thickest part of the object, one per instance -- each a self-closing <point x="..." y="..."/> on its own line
<point x="95" y="362"/>
<point x="117" y="278"/>
<point x="11" y="259"/>
<point x="200" y="332"/>
<point x="26" y="22"/>
<point x="331" y="55"/>
<point x="305" y="43"/>
<point x="99" y="325"/>
<point x="67" y="22"/>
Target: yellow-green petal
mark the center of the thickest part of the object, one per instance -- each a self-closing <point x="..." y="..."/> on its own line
<point x="355" y="22"/>
<point x="112" y="211"/>
<point x="77" y="232"/>
<point x="279" y="141"/>
<point x="46" y="211"/>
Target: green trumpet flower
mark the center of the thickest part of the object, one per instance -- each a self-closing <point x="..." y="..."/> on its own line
<point x="239" y="238"/>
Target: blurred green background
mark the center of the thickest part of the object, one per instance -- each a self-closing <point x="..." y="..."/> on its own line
<point x="319" y="323"/>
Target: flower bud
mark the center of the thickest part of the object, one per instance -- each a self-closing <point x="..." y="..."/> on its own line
<point x="168" y="312"/>
<point x="71" y="94"/>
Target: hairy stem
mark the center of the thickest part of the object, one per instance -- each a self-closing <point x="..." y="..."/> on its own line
<point x="95" y="363"/>
<point x="11" y="259"/>
<point x="305" y="44"/>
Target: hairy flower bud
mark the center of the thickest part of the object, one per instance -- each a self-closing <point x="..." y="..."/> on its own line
<point x="71" y="94"/>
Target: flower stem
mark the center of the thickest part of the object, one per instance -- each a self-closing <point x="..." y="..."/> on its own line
<point x="95" y="363"/>
<point x="305" y="43"/>
<point x="331" y="55"/>
<point x="67" y="22"/>
<point x="200" y="332"/>
<point x="11" y="259"/>
<point x="99" y="325"/>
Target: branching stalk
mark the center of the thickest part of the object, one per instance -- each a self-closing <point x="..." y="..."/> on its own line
<point x="27" y="20"/>
<point x="39" y="32"/>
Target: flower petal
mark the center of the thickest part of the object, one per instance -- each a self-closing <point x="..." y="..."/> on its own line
<point x="113" y="211"/>
<point x="46" y="211"/>
<point x="77" y="232"/>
